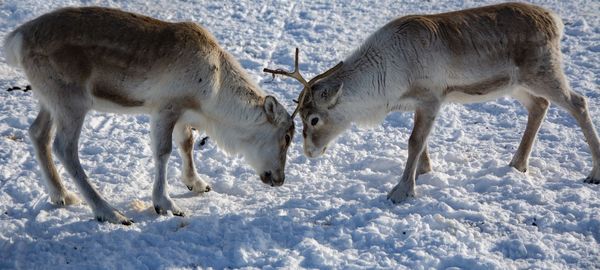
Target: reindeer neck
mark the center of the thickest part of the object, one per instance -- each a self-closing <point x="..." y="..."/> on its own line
<point x="239" y="100"/>
<point x="372" y="87"/>
<point x="235" y="116"/>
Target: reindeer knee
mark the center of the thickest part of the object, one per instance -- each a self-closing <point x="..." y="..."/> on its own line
<point x="543" y="103"/>
<point x="163" y="152"/>
<point x="578" y="103"/>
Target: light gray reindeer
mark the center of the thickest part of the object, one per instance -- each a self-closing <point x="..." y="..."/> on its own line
<point x="420" y="62"/>
<point x="82" y="59"/>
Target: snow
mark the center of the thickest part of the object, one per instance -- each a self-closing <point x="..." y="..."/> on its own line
<point x="472" y="211"/>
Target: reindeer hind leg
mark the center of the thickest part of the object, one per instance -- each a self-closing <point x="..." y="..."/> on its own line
<point x="536" y="108"/>
<point x="69" y="118"/>
<point x="551" y="83"/>
<point x="40" y="133"/>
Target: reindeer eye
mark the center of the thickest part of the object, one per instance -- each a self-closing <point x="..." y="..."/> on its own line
<point x="314" y="121"/>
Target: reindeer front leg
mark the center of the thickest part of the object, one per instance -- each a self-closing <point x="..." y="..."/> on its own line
<point x="424" y="119"/>
<point x="163" y="123"/>
<point x="185" y="141"/>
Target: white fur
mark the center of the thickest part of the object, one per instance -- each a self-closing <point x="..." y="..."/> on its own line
<point x="397" y="69"/>
<point x="13" y="45"/>
<point x="199" y="86"/>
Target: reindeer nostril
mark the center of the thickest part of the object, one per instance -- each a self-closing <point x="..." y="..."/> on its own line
<point x="268" y="174"/>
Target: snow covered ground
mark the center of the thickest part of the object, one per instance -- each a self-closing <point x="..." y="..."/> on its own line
<point x="472" y="212"/>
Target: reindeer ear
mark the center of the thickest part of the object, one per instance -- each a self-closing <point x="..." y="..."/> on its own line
<point x="276" y="113"/>
<point x="329" y="96"/>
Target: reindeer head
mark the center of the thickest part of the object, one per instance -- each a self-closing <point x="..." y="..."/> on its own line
<point x="316" y="104"/>
<point x="266" y="151"/>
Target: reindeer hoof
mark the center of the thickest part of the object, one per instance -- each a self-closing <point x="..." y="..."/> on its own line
<point x="590" y="180"/>
<point x="126" y="222"/>
<point x="198" y="186"/>
<point x="206" y="189"/>
<point x="400" y="193"/>
<point x="116" y="218"/>
<point x="168" y="206"/>
<point x="64" y="199"/>
<point x="424" y="170"/>
<point x="159" y="210"/>
<point x="519" y="167"/>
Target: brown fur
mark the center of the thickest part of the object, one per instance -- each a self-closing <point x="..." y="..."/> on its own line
<point x="418" y="62"/>
<point x="104" y="91"/>
<point x="92" y="58"/>
<point x="130" y="38"/>
<point x="480" y="88"/>
<point x="83" y="44"/>
<point x="187" y="145"/>
<point x="516" y="27"/>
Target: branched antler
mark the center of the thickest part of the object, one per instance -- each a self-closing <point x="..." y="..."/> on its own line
<point x="296" y="75"/>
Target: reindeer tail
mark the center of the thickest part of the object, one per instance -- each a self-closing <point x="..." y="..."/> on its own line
<point x="13" y="47"/>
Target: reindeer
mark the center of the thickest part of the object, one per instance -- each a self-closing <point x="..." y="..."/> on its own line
<point x="92" y="58"/>
<point x="420" y="62"/>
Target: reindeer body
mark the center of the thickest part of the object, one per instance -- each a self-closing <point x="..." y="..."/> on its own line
<point x="126" y="60"/>
<point x="81" y="59"/>
<point x="466" y="56"/>
<point x="420" y="62"/>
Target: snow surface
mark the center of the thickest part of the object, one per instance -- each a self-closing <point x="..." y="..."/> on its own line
<point x="472" y="212"/>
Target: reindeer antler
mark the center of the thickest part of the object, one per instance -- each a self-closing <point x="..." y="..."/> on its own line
<point x="326" y="73"/>
<point x="296" y="75"/>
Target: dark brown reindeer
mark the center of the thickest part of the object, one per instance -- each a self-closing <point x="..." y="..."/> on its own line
<point x="420" y="62"/>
